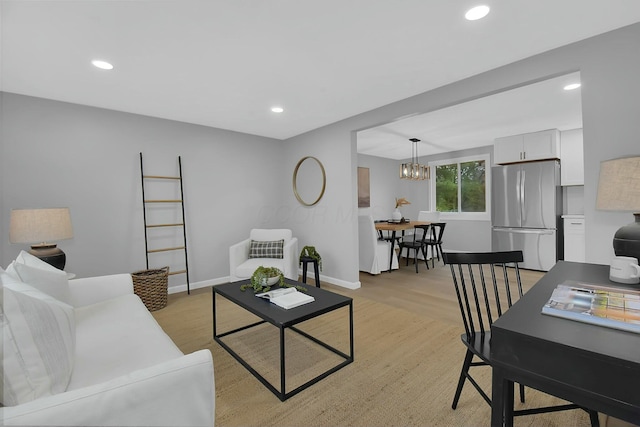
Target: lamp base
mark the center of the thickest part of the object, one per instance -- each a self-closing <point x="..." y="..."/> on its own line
<point x="50" y="254"/>
<point x="626" y="241"/>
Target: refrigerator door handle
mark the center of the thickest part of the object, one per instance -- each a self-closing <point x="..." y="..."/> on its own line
<point x="522" y="197"/>
<point x="525" y="230"/>
<point x="519" y="194"/>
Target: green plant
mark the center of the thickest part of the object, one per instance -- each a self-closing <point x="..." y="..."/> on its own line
<point x="310" y="252"/>
<point x="259" y="280"/>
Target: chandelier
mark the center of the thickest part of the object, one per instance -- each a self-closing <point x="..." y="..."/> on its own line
<point x="414" y="170"/>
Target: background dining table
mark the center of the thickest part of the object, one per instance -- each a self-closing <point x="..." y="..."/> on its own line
<point x="393" y="227"/>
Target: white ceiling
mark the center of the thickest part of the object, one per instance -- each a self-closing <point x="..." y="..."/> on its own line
<point x="225" y="63"/>
<point x="540" y="106"/>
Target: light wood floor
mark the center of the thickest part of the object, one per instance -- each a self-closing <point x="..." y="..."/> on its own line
<point x="429" y="292"/>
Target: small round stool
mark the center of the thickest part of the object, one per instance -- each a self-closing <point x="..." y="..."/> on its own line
<point x="305" y="260"/>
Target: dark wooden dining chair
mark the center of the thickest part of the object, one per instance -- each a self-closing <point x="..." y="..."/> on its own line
<point x="416" y="243"/>
<point x="487" y="284"/>
<point x="434" y="241"/>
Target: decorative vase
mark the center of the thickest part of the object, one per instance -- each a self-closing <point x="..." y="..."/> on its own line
<point x="396" y="215"/>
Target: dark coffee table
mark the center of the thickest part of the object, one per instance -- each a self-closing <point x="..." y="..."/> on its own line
<point x="283" y="319"/>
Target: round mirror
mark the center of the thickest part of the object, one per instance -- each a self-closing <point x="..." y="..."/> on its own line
<point x="309" y="181"/>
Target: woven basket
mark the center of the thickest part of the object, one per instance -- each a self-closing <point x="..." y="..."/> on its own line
<point x="151" y="287"/>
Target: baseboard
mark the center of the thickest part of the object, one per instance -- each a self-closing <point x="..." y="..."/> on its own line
<point x="198" y="285"/>
<point x="334" y="281"/>
<point x="341" y="283"/>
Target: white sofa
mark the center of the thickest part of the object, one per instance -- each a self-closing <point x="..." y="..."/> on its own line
<point x="124" y="369"/>
<point x="242" y="266"/>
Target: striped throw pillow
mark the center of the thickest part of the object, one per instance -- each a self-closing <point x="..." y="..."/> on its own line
<point x="271" y="249"/>
<point x="39" y="340"/>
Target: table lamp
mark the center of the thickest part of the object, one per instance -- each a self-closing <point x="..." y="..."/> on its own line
<point x="619" y="190"/>
<point x="42" y="226"/>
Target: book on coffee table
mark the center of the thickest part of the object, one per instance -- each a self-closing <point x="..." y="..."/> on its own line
<point x="602" y="305"/>
<point x="287" y="297"/>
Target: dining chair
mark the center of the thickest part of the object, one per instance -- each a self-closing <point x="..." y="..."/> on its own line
<point x="417" y="243"/>
<point x="429" y="216"/>
<point x="373" y="254"/>
<point x="487" y="284"/>
<point x="388" y="236"/>
<point x="435" y="241"/>
<point x="380" y="234"/>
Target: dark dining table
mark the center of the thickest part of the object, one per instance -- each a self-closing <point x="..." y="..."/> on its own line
<point x="593" y="366"/>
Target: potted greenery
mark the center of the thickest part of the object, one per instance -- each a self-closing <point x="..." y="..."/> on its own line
<point x="263" y="278"/>
<point x="310" y="252"/>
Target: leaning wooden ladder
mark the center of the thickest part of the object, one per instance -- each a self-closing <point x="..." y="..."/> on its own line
<point x="182" y="225"/>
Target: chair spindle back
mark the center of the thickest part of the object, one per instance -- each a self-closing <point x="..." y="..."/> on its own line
<point x="485" y="284"/>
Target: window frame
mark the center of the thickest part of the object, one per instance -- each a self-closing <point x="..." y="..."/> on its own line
<point x="477" y="216"/>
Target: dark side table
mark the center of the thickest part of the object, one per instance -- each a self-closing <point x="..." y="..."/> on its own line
<point x="305" y="260"/>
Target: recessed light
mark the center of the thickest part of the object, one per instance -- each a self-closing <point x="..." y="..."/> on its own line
<point x="277" y="109"/>
<point x="104" y="65"/>
<point x="477" y="12"/>
<point x="572" y="86"/>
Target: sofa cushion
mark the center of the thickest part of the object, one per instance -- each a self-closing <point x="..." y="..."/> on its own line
<point x="115" y="337"/>
<point x="38" y="343"/>
<point x="41" y="275"/>
<point x="269" y="249"/>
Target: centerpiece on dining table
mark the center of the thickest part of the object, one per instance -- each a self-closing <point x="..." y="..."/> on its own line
<point x="396" y="216"/>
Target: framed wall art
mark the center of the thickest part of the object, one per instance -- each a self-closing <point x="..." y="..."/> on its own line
<point x="364" y="195"/>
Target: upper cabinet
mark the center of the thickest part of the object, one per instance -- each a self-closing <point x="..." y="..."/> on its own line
<point x="527" y="147"/>
<point x="572" y="158"/>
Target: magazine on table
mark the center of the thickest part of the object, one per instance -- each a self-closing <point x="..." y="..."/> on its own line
<point x="287" y="297"/>
<point x="603" y="305"/>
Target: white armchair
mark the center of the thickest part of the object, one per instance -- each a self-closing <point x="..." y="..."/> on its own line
<point x="242" y="266"/>
<point x="374" y="254"/>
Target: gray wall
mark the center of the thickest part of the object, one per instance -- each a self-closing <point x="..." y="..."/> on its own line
<point x="386" y="186"/>
<point x="56" y="154"/>
<point x="609" y="65"/>
<point x="460" y="235"/>
<point x="60" y="154"/>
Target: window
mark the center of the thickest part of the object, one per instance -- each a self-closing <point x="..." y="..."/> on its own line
<point x="461" y="187"/>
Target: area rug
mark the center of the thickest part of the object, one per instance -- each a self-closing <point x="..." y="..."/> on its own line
<point x="405" y="372"/>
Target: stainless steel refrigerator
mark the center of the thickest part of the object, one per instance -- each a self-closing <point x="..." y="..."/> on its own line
<point x="526" y="212"/>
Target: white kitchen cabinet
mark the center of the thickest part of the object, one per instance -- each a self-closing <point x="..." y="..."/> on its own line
<point x="527" y="147"/>
<point x="574" y="240"/>
<point x="571" y="158"/>
<point x="506" y="149"/>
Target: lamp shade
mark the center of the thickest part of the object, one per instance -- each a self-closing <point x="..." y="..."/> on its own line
<point x="619" y="185"/>
<point x="619" y="190"/>
<point x="40" y="225"/>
